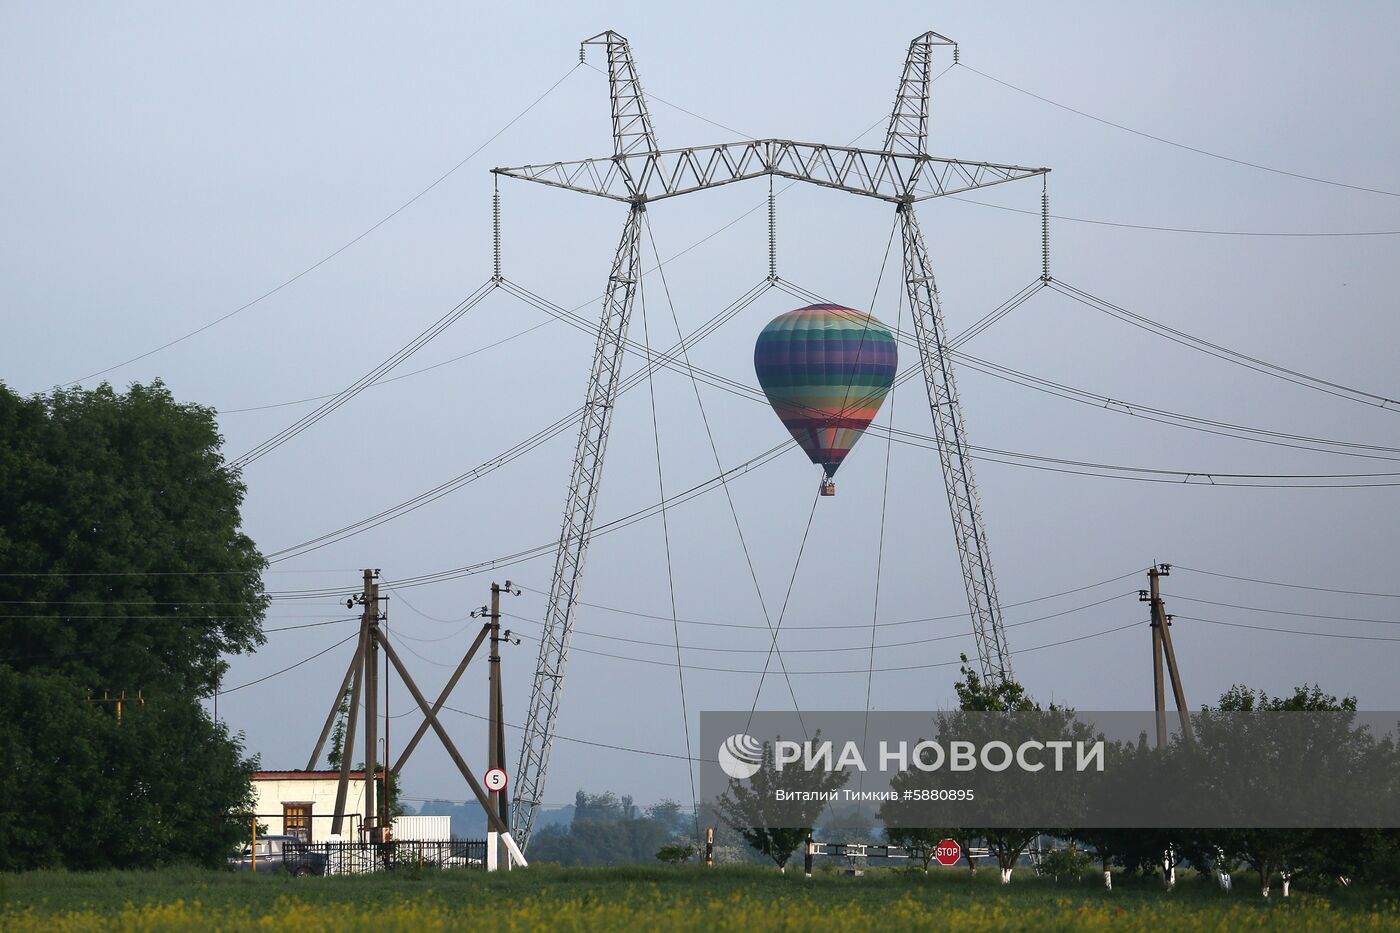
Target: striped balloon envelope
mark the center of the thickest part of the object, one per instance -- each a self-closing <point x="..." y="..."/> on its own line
<point x="826" y="370"/>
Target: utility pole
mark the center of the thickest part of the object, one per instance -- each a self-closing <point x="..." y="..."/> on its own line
<point x="371" y="594"/>
<point x="496" y="729"/>
<point x="1162" y="650"/>
<point x="364" y="672"/>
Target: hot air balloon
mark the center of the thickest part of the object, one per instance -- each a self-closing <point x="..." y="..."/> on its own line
<point x="826" y="370"/>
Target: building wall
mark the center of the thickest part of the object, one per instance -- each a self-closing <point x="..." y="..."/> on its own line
<point x="274" y="789"/>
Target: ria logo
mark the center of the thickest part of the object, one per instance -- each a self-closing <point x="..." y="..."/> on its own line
<point x="740" y="756"/>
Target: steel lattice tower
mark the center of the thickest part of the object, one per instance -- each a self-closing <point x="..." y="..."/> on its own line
<point x="639" y="172"/>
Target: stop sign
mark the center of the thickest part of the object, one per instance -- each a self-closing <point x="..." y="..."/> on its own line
<point x="948" y="852"/>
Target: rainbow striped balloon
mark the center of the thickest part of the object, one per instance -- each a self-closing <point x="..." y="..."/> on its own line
<point x="826" y="370"/>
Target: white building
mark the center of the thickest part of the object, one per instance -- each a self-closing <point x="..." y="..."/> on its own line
<point x="302" y="803"/>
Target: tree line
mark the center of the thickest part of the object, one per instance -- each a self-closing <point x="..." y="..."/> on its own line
<point x="1321" y="857"/>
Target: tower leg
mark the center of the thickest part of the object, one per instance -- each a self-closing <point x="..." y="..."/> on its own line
<point x="580" y="502"/>
<point x="968" y="526"/>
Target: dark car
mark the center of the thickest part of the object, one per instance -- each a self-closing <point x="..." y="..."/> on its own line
<point x="281" y="854"/>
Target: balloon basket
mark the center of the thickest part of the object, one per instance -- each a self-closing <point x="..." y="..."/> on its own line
<point x="828" y="487"/>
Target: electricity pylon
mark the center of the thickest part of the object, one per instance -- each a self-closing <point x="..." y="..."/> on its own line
<point x="639" y="172"/>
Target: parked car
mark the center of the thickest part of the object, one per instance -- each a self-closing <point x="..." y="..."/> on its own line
<point x="281" y="854"/>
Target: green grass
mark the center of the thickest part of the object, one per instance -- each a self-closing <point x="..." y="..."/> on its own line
<point x="657" y="897"/>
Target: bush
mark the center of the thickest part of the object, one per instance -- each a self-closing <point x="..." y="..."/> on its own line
<point x="675" y="853"/>
<point x="1070" y="862"/>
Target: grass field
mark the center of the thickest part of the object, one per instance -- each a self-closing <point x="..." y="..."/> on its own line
<point x="644" y="898"/>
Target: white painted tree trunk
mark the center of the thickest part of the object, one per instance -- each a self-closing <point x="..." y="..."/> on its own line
<point x="1287" y="880"/>
<point x="1006" y="876"/>
<point x="1108" y="880"/>
<point x="1266" y="890"/>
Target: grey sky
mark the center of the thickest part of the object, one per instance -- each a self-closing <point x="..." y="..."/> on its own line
<point x="164" y="164"/>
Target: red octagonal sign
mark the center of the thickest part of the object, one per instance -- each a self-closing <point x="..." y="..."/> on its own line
<point x="948" y="852"/>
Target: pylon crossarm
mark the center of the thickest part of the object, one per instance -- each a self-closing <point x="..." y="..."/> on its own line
<point x="969" y="529"/>
<point x="654" y="176"/>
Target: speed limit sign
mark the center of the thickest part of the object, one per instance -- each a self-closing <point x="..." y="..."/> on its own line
<point x="495" y="780"/>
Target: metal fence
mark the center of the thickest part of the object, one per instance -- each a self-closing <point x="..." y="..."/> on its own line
<point x="359" y="858"/>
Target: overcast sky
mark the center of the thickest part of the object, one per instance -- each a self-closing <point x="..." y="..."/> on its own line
<point x="163" y="165"/>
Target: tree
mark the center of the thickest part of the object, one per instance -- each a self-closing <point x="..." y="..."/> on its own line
<point x="607" y="830"/>
<point x="976" y="695"/>
<point x="165" y="785"/>
<point x="771" y="828"/>
<point x="120" y="536"/>
<point x="119" y="527"/>
<point x="1283" y="853"/>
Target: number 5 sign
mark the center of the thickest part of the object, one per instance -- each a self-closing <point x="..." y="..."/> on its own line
<point x="495" y="780"/>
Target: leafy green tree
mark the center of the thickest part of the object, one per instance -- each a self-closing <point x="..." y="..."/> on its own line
<point x="120" y="534"/>
<point x="751" y="806"/>
<point x="165" y="785"/>
<point x="120" y="537"/>
<point x="1285" y="853"/>
<point x="976" y="695"/>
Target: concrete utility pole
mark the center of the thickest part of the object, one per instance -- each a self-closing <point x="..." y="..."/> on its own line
<point x="496" y="738"/>
<point x="1162" y="649"/>
<point x="371" y="617"/>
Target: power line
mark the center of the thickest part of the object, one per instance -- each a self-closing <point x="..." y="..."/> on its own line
<point x="290" y="667"/>
<point x="374" y="375"/>
<point x="1122" y="406"/>
<point x="329" y="256"/>
<point x="844" y="648"/>
<point x="386" y="381"/>
<point x="1220" y="352"/>
<point x="1289" y="631"/>
<point x="859" y="625"/>
<point x="491" y="346"/>
<point x="564" y="738"/>
<point x="1164" y="229"/>
<point x="1170" y="142"/>
<point x="531" y="443"/>
<point x="1286" y="612"/>
<point x="862" y="671"/>
<point x="1292" y="586"/>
